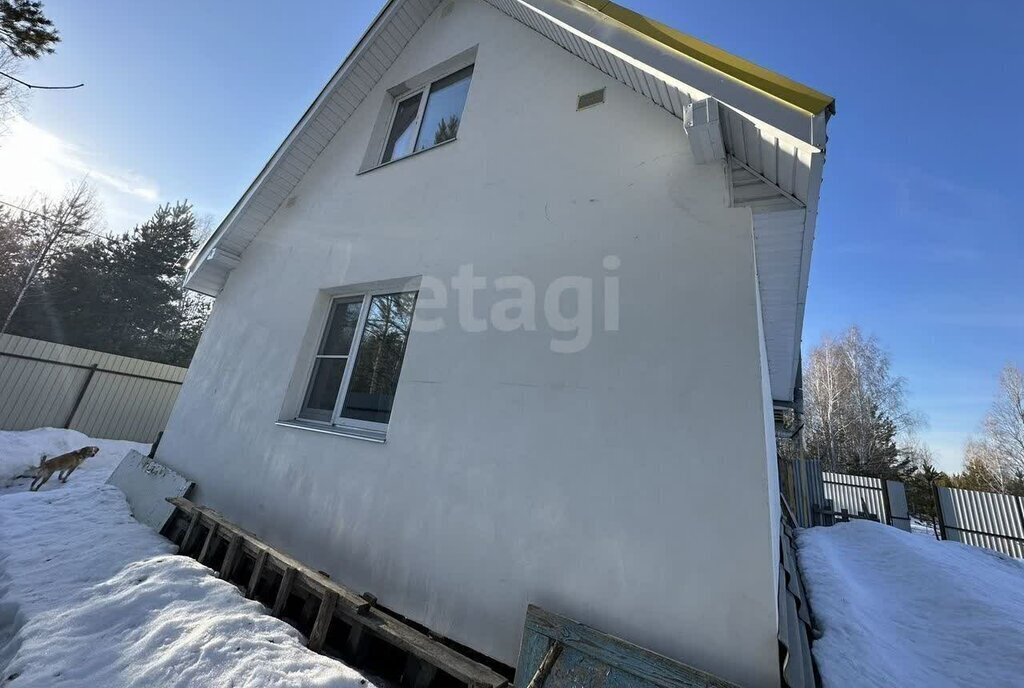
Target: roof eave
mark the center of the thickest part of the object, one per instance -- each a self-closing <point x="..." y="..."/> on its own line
<point x="200" y="258"/>
<point x="695" y="72"/>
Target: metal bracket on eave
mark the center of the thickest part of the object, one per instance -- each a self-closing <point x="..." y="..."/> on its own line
<point x="766" y="197"/>
<point x="703" y="127"/>
<point x="225" y="259"/>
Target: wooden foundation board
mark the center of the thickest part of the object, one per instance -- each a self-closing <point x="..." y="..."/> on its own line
<point x="427" y="657"/>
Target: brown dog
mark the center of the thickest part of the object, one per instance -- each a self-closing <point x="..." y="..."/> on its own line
<point x="65" y="463"/>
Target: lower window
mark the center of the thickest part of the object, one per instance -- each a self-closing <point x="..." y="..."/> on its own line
<point x="355" y="373"/>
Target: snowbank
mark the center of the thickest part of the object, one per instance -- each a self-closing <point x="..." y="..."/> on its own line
<point x="89" y="597"/>
<point x="898" y="609"/>
<point x="20" y="453"/>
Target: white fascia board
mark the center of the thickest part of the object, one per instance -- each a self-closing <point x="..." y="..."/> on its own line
<point x="681" y="70"/>
<point x="810" y="224"/>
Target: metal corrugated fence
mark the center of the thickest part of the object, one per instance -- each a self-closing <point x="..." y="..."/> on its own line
<point x="858" y="494"/>
<point x="823" y="495"/>
<point x="810" y="490"/>
<point x="43" y="384"/>
<point x="983" y="519"/>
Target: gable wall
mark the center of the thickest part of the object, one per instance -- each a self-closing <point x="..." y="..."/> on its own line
<point x="626" y="485"/>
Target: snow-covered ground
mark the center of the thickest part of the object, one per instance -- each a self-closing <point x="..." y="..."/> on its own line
<point x="919" y="527"/>
<point x="897" y="609"/>
<point x="89" y="597"/>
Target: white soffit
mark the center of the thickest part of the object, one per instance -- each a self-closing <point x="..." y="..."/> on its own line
<point x="376" y="51"/>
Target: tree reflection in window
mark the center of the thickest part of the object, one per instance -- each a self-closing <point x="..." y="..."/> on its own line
<point x="446" y="130"/>
<point x="371" y="391"/>
<point x="443" y="111"/>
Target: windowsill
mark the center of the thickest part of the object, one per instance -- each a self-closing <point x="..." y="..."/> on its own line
<point x="377" y="436"/>
<point x="406" y="157"/>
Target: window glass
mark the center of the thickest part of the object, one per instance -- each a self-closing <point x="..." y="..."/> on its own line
<point x="324" y="386"/>
<point x="329" y="367"/>
<point x="444" y="108"/>
<point x="371" y="391"/>
<point x="403" y="129"/>
<point x="341" y="327"/>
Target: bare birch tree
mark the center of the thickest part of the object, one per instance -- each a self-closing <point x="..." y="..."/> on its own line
<point x="855" y="408"/>
<point x="1004" y="425"/>
<point x="983" y="467"/>
<point x="45" y="230"/>
<point x="995" y="461"/>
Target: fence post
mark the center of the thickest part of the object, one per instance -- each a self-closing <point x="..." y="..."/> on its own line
<point x="152" y="449"/>
<point x="938" y="512"/>
<point x="1020" y="511"/>
<point x="81" y="395"/>
<point x="885" y="502"/>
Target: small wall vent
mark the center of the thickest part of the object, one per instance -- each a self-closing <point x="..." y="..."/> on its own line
<point x="590" y="99"/>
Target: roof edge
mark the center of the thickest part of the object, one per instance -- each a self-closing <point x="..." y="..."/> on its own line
<point x="791" y="92"/>
<point x="203" y="252"/>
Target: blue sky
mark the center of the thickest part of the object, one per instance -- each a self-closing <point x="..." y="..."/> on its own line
<point x="918" y="239"/>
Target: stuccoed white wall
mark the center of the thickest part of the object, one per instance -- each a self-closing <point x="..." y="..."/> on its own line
<point x="629" y="485"/>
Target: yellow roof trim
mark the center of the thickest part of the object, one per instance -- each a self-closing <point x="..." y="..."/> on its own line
<point x="788" y="91"/>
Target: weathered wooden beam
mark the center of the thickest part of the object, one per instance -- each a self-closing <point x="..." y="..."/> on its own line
<point x="227" y="567"/>
<point x="283" y="591"/>
<point x="208" y="546"/>
<point x="190" y="533"/>
<point x="257" y="573"/>
<point x="358" y="611"/>
<point x="323" y="621"/>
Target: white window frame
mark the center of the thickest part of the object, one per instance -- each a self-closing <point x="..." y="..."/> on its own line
<point x="338" y="421"/>
<point x="424" y="92"/>
<point x="424" y="95"/>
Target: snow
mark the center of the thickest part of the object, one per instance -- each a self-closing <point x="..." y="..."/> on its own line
<point x="919" y="527"/>
<point x="897" y="609"/>
<point x="90" y="597"/>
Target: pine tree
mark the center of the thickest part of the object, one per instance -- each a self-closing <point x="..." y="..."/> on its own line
<point x="24" y="30"/>
<point x="920" y="489"/>
<point x="123" y="295"/>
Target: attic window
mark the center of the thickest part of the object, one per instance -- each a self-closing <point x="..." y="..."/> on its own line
<point x="428" y="117"/>
<point x="590" y="99"/>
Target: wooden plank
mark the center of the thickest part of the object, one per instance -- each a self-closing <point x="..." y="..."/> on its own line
<point x="589" y="652"/>
<point x="283" y="591"/>
<point x="208" y="544"/>
<point x="227" y="567"/>
<point x="374" y="621"/>
<point x="190" y="533"/>
<point x="323" y="621"/>
<point x="257" y="572"/>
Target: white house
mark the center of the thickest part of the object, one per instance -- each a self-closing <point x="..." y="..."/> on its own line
<point x="504" y="320"/>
